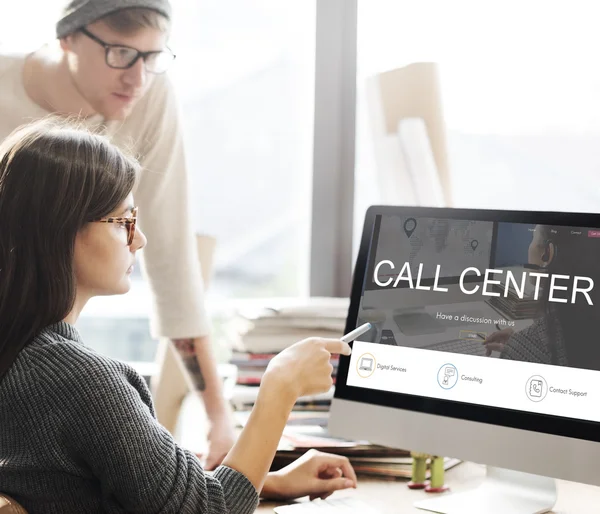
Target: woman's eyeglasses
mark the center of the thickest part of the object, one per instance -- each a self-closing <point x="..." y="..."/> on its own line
<point x="123" y="57"/>
<point x="129" y="222"/>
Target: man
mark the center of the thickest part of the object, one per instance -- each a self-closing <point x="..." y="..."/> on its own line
<point x="108" y="68"/>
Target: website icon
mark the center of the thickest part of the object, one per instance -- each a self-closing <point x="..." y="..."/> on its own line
<point x="447" y="376"/>
<point x="365" y="365"/>
<point x="536" y="388"/>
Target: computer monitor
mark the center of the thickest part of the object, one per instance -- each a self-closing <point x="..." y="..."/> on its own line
<point x="528" y="403"/>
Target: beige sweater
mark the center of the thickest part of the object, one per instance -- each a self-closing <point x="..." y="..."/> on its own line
<point x="153" y="134"/>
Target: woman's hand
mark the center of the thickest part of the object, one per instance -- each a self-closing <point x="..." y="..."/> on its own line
<point x="315" y="474"/>
<point x="497" y="340"/>
<point x="304" y="368"/>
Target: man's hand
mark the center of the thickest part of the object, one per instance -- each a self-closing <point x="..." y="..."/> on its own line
<point x="315" y="474"/>
<point x="221" y="437"/>
<point x="202" y="371"/>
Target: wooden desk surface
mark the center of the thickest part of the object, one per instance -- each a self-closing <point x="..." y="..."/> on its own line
<point x="393" y="497"/>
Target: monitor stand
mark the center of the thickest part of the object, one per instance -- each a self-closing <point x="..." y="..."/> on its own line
<point x="502" y="491"/>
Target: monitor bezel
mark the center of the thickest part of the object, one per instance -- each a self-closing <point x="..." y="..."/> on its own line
<point x="548" y="424"/>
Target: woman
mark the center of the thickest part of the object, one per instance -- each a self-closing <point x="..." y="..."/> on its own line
<point x="77" y="429"/>
<point x="563" y="333"/>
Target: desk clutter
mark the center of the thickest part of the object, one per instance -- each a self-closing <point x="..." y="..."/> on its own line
<point x="271" y="328"/>
<point x="260" y="333"/>
<point x="265" y="331"/>
<point x="306" y="430"/>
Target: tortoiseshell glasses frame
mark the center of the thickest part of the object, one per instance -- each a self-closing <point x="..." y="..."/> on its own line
<point x="130" y="222"/>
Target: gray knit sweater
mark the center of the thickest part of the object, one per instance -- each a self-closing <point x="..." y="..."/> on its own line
<point x="78" y="434"/>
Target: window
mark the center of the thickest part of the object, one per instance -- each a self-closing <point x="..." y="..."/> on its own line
<point x="519" y="92"/>
<point x="245" y="78"/>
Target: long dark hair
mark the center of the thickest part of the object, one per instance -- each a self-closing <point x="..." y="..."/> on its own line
<point x="575" y="254"/>
<point x="54" y="179"/>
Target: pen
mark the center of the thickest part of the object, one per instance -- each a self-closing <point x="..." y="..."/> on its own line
<point x="350" y="336"/>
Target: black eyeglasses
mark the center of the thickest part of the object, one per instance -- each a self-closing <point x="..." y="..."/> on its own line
<point x="123" y="57"/>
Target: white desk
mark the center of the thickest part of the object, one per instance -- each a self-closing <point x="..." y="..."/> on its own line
<point x="393" y="497"/>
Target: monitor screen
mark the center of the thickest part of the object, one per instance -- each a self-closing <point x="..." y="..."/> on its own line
<point x="504" y="329"/>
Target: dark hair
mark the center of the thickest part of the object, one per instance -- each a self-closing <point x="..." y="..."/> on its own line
<point x="54" y="179"/>
<point x="128" y="21"/>
<point x="577" y="322"/>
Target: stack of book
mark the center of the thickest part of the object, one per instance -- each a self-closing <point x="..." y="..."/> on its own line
<point x="303" y="433"/>
<point x="244" y="397"/>
<point x="272" y="328"/>
<point x="366" y="459"/>
<point x="263" y="332"/>
<point x="251" y="366"/>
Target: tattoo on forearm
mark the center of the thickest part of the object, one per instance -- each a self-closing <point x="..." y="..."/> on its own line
<point x="187" y="351"/>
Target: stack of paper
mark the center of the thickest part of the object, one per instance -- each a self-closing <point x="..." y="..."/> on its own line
<point x="303" y="432"/>
<point x="244" y="397"/>
<point x="366" y="459"/>
<point x="252" y="366"/>
<point x="272" y="328"/>
<point x="264" y="331"/>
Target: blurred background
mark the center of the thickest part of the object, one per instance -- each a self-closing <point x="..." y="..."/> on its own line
<point x="258" y="80"/>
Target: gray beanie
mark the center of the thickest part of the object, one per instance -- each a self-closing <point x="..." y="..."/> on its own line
<point x="79" y="13"/>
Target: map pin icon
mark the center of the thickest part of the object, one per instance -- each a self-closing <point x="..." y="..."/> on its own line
<point x="409" y="226"/>
<point x="474" y="244"/>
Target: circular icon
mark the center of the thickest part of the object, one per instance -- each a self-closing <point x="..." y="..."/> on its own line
<point x="536" y="388"/>
<point x="365" y="365"/>
<point x="447" y="376"/>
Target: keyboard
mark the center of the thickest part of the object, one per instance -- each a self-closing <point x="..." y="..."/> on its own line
<point x="465" y="346"/>
<point x="335" y="506"/>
